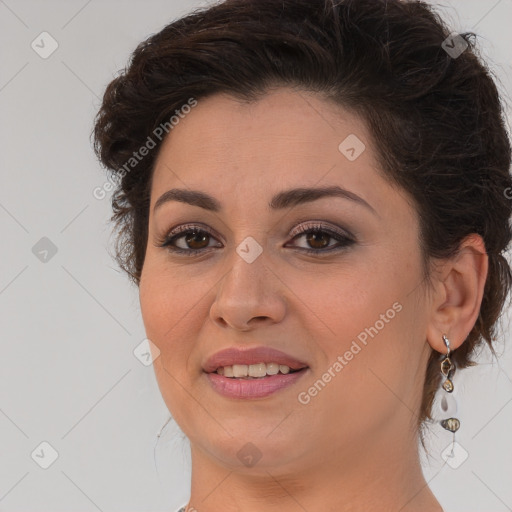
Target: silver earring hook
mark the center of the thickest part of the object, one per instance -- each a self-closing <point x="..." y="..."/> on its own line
<point x="447" y="343"/>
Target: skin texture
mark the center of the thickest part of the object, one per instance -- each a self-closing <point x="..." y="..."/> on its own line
<point x="353" y="447"/>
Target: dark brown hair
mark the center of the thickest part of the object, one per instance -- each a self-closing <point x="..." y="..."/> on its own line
<point x="435" y="119"/>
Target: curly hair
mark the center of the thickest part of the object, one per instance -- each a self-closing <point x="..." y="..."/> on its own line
<point x="435" y="119"/>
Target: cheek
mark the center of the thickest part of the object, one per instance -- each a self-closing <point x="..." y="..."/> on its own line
<point x="168" y="314"/>
<point x="156" y="302"/>
<point x="381" y="330"/>
<point x="167" y="308"/>
<point x="167" y="300"/>
<point x="369" y="310"/>
<point x="352" y="297"/>
<point x="175" y="305"/>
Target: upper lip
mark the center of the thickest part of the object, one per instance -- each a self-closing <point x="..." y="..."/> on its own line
<point x="233" y="355"/>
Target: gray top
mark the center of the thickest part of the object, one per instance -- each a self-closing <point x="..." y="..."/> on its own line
<point x="182" y="509"/>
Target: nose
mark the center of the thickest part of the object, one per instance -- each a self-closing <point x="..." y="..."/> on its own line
<point x="249" y="295"/>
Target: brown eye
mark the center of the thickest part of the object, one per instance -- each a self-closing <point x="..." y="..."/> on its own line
<point x="196" y="239"/>
<point x="318" y="239"/>
<point x="188" y="240"/>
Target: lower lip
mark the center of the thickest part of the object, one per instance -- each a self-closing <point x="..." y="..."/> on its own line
<point x="253" y="388"/>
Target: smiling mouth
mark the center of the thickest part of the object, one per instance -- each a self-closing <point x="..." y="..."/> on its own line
<point x="255" y="371"/>
<point x="254" y="381"/>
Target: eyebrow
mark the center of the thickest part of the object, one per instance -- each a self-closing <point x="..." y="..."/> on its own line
<point x="280" y="201"/>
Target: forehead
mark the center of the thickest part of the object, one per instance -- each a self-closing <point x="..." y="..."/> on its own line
<point x="239" y="151"/>
<point x="284" y="125"/>
<point x="283" y="115"/>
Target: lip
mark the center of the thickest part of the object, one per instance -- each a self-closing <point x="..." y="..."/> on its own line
<point x="252" y="388"/>
<point x="233" y="355"/>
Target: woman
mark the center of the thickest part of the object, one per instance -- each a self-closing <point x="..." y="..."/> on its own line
<point x="314" y="201"/>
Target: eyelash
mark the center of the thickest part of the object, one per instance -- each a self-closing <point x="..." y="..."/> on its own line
<point x="302" y="230"/>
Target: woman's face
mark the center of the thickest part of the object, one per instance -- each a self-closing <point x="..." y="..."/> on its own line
<point x="353" y="312"/>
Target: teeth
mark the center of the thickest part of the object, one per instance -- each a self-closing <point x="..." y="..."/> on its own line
<point x="284" y="369"/>
<point x="273" y="368"/>
<point x="254" y="371"/>
<point x="240" y="370"/>
<point x="257" y="370"/>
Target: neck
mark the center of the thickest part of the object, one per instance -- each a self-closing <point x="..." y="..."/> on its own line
<point x="369" y="476"/>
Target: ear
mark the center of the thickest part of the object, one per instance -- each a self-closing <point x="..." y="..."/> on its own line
<point x="458" y="291"/>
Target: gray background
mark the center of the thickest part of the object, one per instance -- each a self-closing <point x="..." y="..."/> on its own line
<point x="70" y="324"/>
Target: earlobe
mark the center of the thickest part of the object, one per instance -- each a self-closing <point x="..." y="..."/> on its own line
<point x="458" y="294"/>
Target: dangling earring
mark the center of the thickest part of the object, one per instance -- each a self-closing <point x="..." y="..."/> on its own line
<point x="448" y="403"/>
